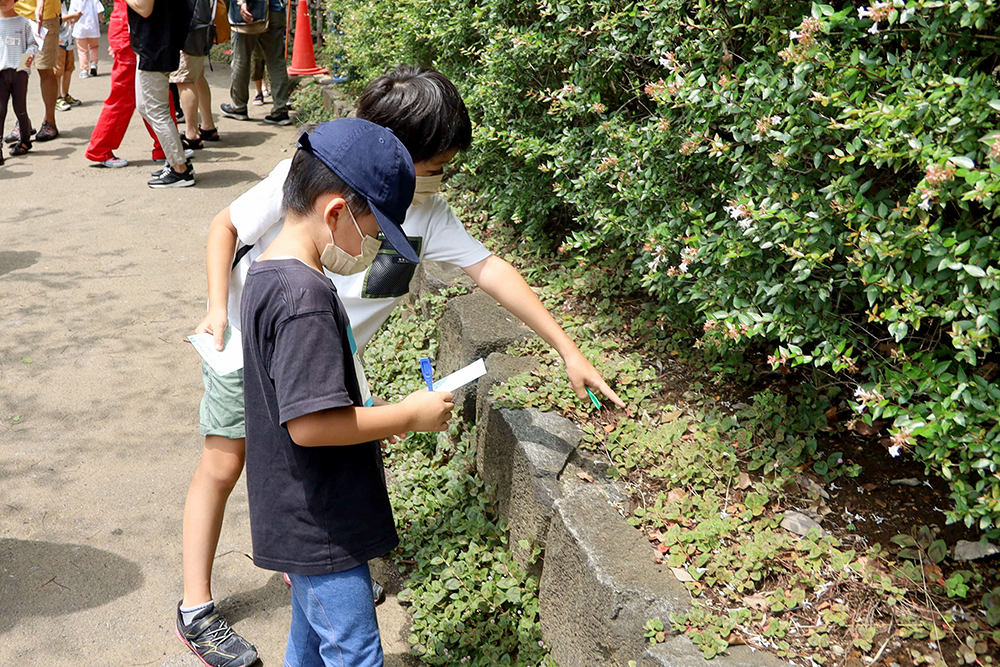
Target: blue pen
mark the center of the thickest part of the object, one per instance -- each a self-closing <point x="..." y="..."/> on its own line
<point x="427" y="372"/>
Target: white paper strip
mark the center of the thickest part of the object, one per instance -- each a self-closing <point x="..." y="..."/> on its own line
<point x="462" y="377"/>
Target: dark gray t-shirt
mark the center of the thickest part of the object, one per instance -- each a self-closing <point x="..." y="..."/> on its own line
<point x="313" y="510"/>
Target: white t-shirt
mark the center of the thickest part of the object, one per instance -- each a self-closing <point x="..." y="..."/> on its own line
<point x="88" y="26"/>
<point x="371" y="295"/>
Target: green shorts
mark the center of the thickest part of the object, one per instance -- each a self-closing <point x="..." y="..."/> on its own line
<point x="221" y="410"/>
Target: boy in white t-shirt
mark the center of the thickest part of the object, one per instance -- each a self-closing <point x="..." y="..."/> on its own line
<point x="425" y="111"/>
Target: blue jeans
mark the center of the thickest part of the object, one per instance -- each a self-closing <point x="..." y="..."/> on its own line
<point x="333" y="621"/>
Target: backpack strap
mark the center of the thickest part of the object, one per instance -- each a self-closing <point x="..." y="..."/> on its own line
<point x="240" y="254"/>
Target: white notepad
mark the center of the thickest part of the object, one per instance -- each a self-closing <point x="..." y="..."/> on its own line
<point x="462" y="377"/>
<point x="229" y="360"/>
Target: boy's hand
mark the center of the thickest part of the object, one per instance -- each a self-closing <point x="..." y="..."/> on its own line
<point x="30" y="60"/>
<point x="429" y="410"/>
<point x="215" y="323"/>
<point x="582" y="374"/>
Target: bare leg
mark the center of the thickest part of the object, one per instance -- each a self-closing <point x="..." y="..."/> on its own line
<point x="218" y="471"/>
<point x="49" y="84"/>
<point x="189" y="103"/>
<point x="204" y="103"/>
<point x="67" y="72"/>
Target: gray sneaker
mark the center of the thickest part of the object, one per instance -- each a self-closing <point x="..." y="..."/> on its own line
<point x="229" y="112"/>
<point x="212" y="640"/>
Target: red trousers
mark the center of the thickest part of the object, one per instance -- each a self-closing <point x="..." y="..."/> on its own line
<point x="117" y="111"/>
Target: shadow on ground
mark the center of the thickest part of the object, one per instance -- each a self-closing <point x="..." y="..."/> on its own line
<point x="50" y="579"/>
<point x="11" y="260"/>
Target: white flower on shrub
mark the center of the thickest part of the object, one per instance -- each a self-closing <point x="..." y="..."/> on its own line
<point x="864" y="397"/>
<point x="737" y="211"/>
<point x="898" y="440"/>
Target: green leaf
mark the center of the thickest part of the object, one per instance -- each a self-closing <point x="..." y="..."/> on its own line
<point x="974" y="270"/>
<point x="995" y="104"/>
<point x="962" y="161"/>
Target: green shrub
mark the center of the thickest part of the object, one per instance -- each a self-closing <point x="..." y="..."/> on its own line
<point x="818" y="180"/>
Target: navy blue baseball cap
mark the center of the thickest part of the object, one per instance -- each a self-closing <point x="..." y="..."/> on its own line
<point x="375" y="164"/>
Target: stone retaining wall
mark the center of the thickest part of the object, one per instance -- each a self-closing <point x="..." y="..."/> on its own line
<point x="599" y="584"/>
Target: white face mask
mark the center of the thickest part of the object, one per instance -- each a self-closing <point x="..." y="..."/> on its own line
<point x="425" y="187"/>
<point x="337" y="260"/>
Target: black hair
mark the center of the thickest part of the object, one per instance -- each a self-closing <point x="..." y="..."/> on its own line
<point x="308" y="179"/>
<point x="421" y="107"/>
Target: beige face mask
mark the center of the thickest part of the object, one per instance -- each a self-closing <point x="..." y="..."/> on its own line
<point x="337" y="260"/>
<point x="425" y="187"/>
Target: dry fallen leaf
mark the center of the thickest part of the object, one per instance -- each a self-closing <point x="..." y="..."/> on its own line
<point x="756" y="601"/>
<point x="675" y="495"/>
<point x="743" y="481"/>
<point x="585" y="476"/>
<point x="681" y="574"/>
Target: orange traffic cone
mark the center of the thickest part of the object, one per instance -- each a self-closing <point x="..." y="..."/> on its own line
<point x="303" y="56"/>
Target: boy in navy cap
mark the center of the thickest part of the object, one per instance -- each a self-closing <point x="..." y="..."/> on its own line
<point x="319" y="509"/>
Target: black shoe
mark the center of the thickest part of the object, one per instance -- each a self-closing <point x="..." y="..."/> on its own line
<point x="208" y="135"/>
<point x="229" y="112"/>
<point x="93" y="70"/>
<point x="278" y="118"/>
<point x="170" y="178"/>
<point x="212" y="640"/>
<point x="378" y="592"/>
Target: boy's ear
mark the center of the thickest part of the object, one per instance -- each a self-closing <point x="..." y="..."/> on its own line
<point x="332" y="207"/>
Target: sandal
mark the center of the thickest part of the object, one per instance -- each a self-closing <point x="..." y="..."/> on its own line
<point x="208" y="135"/>
<point x="192" y="144"/>
<point x="20" y="148"/>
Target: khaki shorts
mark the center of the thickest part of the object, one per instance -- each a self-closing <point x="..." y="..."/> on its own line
<point x="190" y="69"/>
<point x="221" y="409"/>
<point x="65" y="61"/>
<point x="46" y="58"/>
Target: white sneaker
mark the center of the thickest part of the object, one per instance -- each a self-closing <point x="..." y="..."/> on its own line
<point x="84" y="74"/>
<point x="115" y="163"/>
<point x="188" y="152"/>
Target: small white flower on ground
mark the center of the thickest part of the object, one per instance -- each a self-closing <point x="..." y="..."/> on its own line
<point x="894" y="451"/>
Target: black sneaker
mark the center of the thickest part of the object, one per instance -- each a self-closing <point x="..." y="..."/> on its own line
<point x="170" y="178"/>
<point x="93" y="70"/>
<point x="166" y="165"/>
<point x="378" y="592"/>
<point x="278" y="118"/>
<point x="229" y="112"/>
<point x="212" y="640"/>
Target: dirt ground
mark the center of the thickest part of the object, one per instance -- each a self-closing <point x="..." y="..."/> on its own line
<point x="101" y="279"/>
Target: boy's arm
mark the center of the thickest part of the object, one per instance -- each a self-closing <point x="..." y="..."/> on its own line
<point x="141" y="7"/>
<point x="503" y="282"/>
<point x="221" y="247"/>
<point x="420" y="411"/>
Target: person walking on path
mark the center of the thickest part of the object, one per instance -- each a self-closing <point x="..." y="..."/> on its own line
<point x="16" y="40"/>
<point x="258" y="22"/>
<point x="194" y="92"/>
<point x="46" y="14"/>
<point x="87" y="33"/>
<point x="118" y="107"/>
<point x="157" y="30"/>
<point x="66" y="60"/>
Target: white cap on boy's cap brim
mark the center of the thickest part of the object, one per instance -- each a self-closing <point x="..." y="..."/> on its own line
<point x="375" y="164"/>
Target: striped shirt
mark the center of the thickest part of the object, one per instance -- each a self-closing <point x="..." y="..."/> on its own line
<point x="15" y="39"/>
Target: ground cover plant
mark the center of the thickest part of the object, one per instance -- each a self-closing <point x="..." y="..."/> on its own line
<point x="470" y="602"/>
<point x="817" y="180"/>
